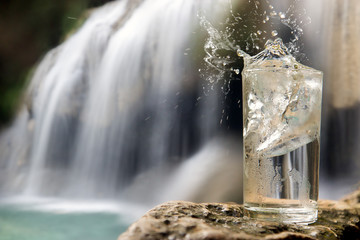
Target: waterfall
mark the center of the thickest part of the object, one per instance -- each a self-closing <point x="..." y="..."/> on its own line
<point x="121" y="95"/>
<point x="119" y="108"/>
<point x="341" y="51"/>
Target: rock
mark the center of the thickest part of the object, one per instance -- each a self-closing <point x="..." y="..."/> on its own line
<point x="353" y="199"/>
<point x="187" y="220"/>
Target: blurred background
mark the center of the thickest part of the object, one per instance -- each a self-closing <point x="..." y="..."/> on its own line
<point x="108" y="108"/>
<point x="28" y="31"/>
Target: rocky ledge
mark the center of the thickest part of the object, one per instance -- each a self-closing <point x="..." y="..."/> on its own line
<point x="187" y="220"/>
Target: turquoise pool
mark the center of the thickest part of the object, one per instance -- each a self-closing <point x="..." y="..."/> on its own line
<point x="19" y="222"/>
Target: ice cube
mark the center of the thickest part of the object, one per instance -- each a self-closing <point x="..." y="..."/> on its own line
<point x="283" y="103"/>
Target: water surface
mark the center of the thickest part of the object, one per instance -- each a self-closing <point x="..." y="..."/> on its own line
<point x="20" y="222"/>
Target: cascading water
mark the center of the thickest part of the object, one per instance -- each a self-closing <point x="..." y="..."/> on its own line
<point x="123" y="94"/>
<point x="342" y="103"/>
<point x="110" y="102"/>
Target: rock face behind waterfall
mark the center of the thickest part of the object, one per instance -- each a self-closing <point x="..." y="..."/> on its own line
<point x="121" y="95"/>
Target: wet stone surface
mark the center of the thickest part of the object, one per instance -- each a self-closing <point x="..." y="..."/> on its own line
<point x="186" y="220"/>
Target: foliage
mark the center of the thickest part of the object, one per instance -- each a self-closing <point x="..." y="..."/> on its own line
<point x="28" y="30"/>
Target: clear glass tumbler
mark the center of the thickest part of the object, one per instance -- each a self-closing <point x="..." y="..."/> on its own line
<point x="282" y="113"/>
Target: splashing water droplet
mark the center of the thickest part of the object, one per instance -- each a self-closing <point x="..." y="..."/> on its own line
<point x="271" y="7"/>
<point x="274" y="33"/>
<point x="282" y="15"/>
<point x="273" y="13"/>
<point x="308" y="20"/>
<point x="237" y="71"/>
<point x="241" y="53"/>
<point x="259" y="32"/>
<point x="267" y="18"/>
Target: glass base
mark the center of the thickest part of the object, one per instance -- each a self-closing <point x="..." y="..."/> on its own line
<point x="283" y="213"/>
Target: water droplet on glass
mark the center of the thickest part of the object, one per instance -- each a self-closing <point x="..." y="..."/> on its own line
<point x="274" y="33"/>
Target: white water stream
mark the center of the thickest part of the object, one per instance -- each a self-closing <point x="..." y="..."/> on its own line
<point x="110" y="103"/>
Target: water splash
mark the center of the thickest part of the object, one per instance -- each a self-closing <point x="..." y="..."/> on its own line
<point x="246" y="31"/>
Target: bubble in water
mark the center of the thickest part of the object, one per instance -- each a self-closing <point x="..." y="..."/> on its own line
<point x="274" y="33"/>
